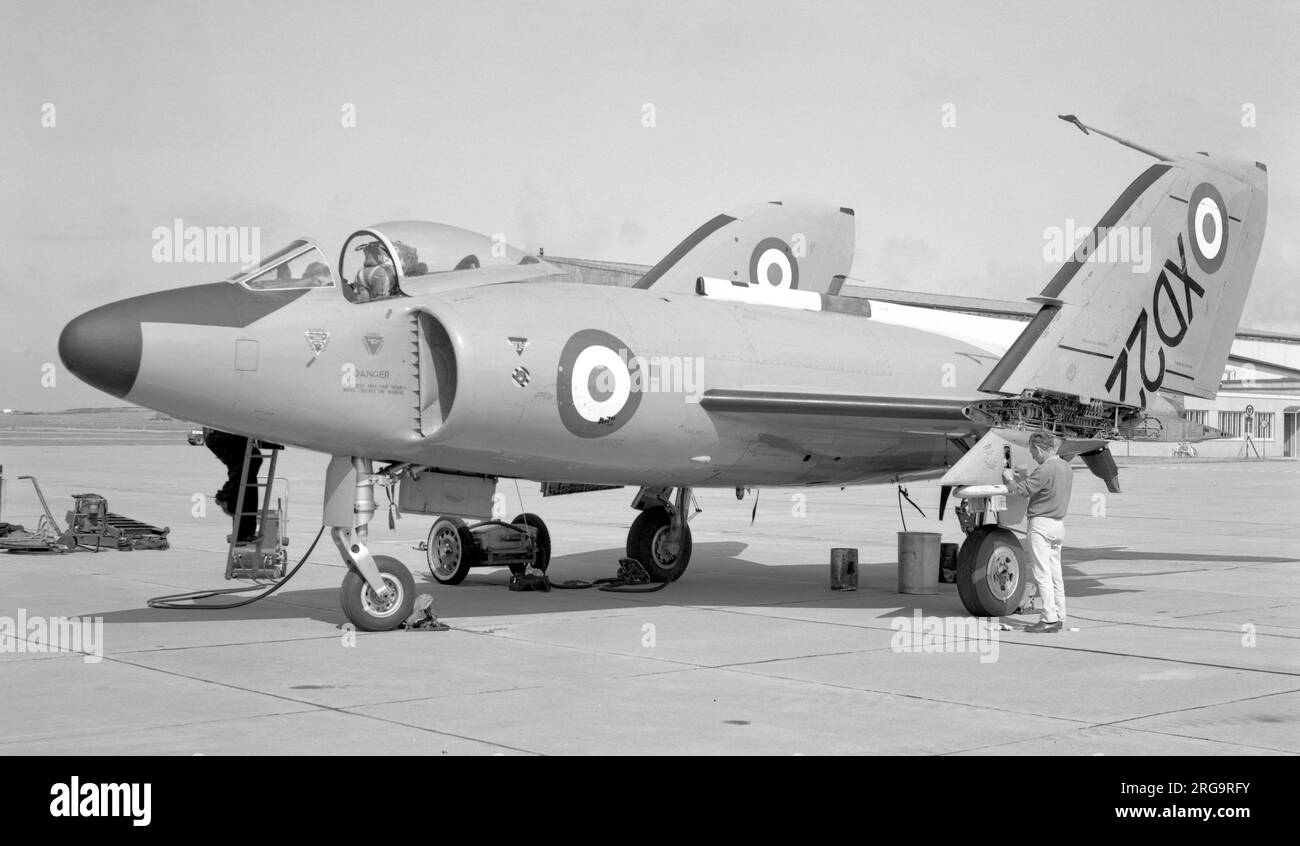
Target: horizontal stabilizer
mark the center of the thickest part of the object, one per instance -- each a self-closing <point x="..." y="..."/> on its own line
<point x="983" y="463"/>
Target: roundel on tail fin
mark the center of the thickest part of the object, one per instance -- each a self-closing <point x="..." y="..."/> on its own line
<point x="1207" y="225"/>
<point x="774" y="264"/>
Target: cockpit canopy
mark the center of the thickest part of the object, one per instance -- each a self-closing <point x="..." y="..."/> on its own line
<point x="376" y="261"/>
<point x="299" y="265"/>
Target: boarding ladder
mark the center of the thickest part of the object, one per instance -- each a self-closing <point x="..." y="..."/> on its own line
<point x="264" y="556"/>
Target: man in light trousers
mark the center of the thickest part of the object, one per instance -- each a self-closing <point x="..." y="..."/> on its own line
<point x="1048" y="491"/>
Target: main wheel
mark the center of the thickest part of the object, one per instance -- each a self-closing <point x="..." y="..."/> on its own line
<point x="450" y="550"/>
<point x="542" y="559"/>
<point x="647" y="542"/>
<point x="371" y="613"/>
<point x="991" y="572"/>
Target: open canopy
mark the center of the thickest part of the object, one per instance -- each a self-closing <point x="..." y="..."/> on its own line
<point x="375" y="261"/>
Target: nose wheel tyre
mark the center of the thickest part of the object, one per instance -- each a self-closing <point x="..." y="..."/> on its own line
<point x="991" y="572"/>
<point x="450" y="550"/>
<point x="370" y="612"/>
<point x="542" y="559"/>
<point x="648" y="543"/>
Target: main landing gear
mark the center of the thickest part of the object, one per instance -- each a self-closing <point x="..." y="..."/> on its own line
<point x="660" y="537"/>
<point x="378" y="592"/>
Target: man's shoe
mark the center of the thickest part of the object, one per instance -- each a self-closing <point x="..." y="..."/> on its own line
<point x="1044" y="627"/>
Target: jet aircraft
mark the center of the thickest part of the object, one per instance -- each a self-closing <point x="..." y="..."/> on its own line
<point x="438" y="361"/>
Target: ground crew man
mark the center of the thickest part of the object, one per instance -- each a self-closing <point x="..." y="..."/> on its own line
<point x="229" y="450"/>
<point x="1048" y="491"/>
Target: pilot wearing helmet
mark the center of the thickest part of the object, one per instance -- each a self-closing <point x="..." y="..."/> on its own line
<point x="376" y="279"/>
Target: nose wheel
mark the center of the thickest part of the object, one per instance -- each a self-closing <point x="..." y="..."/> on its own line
<point x="372" y="611"/>
<point x="378" y="592"/>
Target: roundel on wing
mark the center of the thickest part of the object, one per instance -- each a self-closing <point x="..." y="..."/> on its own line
<point x="773" y="263"/>
<point x="1207" y="226"/>
<point x="597" y="384"/>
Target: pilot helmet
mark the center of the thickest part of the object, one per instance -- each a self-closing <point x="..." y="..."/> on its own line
<point x="379" y="278"/>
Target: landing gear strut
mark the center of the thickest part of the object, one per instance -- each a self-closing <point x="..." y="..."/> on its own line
<point x="378" y="592"/>
<point x="660" y="537"/>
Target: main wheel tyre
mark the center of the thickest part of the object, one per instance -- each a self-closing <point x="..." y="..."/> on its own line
<point x="647" y="542"/>
<point x="450" y="550"/>
<point x="991" y="572"/>
<point x="372" y="613"/>
<point x="542" y="559"/>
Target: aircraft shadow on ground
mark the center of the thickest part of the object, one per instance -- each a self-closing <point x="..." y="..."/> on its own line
<point x="317" y="604"/>
<point x="719" y="575"/>
<point x="1082" y="555"/>
<point x="1081" y="585"/>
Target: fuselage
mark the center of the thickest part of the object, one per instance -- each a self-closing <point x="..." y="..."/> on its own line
<point x="524" y="380"/>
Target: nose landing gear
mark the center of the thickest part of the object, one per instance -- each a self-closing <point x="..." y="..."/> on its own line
<point x="378" y="592"/>
<point x="379" y="612"/>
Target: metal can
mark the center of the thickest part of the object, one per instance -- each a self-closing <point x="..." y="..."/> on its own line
<point x="844" y="568"/>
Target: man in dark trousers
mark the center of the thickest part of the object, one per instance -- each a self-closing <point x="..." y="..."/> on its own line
<point x="229" y="450"/>
<point x="1048" y="490"/>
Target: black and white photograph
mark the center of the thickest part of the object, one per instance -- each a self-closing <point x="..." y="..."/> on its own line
<point x="655" y="378"/>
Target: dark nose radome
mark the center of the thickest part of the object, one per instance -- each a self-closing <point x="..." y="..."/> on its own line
<point x="102" y="347"/>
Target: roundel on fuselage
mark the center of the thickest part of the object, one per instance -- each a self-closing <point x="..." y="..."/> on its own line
<point x="1207" y="224"/>
<point x="597" y="384"/>
<point x="773" y="263"/>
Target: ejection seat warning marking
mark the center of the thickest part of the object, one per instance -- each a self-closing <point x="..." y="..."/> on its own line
<point x="369" y="380"/>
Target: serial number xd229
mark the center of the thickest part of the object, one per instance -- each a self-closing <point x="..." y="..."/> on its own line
<point x="1171" y="336"/>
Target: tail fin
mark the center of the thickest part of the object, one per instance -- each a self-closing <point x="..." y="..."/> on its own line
<point x="1120" y="330"/>
<point x="789" y="245"/>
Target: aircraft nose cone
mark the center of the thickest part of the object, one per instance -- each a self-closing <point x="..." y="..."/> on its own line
<point x="102" y="348"/>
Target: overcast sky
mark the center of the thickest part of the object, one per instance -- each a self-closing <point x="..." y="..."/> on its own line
<point x="528" y="119"/>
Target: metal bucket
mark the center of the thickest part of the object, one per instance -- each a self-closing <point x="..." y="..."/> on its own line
<point x="844" y="568"/>
<point x="918" y="562"/>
